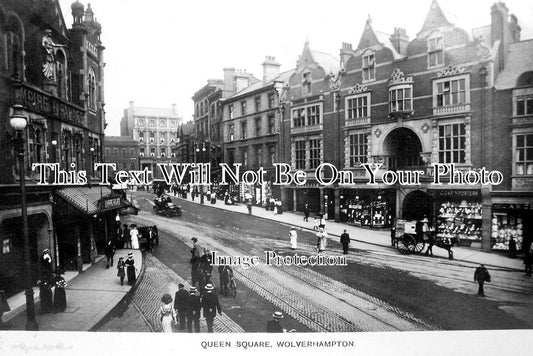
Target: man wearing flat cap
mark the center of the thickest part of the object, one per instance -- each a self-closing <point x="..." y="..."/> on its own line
<point x="193" y="310"/>
<point x="210" y="305"/>
<point x="274" y="326"/>
<point x="180" y="304"/>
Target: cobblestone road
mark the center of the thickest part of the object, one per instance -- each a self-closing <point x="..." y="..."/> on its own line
<point x="316" y="301"/>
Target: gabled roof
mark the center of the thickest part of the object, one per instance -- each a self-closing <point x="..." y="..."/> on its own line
<point x="518" y="62"/>
<point x="326" y="61"/>
<point x="371" y="37"/>
<point x="435" y="19"/>
<point x="154" y="112"/>
<point x="257" y="86"/>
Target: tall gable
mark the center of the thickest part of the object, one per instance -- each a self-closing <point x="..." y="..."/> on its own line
<point x="435" y="19"/>
<point x="368" y="37"/>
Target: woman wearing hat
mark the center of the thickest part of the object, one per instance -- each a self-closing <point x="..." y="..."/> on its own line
<point x="121" y="270"/>
<point x="168" y="314"/>
<point x="293" y="236"/>
<point x="60" y="297"/>
<point x="130" y="269"/>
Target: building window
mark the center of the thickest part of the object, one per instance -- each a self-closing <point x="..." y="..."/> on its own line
<point x="435" y="52"/>
<point x="152" y="151"/>
<point x="259" y="155"/>
<point x="358" y="149"/>
<point x="123" y="152"/>
<point x="152" y="137"/>
<point x="132" y="152"/>
<point x="91" y="84"/>
<point x="141" y="151"/>
<point x="306" y="116"/>
<point x="244" y="128"/>
<point x="141" y="136"/>
<point x="258" y="127"/>
<point x="524" y="154"/>
<point x="271" y="101"/>
<point x="243" y="108"/>
<point x="524" y="106"/>
<point x="173" y="123"/>
<point x="231" y="131"/>
<point x="231" y="157"/>
<point x="115" y="151"/>
<point x="151" y="123"/>
<point x="245" y="157"/>
<point x="306" y="83"/>
<point x="299" y="151"/>
<point x="107" y="152"/>
<point x="271" y="124"/>
<point x="369" y="67"/>
<point x="272" y="154"/>
<point x="452" y="142"/>
<point x="231" y="111"/>
<point x="451" y="92"/>
<point x="257" y="103"/>
<point x="141" y="122"/>
<point x="314" y="153"/>
<point x="36" y="145"/>
<point x="163" y="151"/>
<point x="162" y="123"/>
<point x="358" y="106"/>
<point x="400" y="99"/>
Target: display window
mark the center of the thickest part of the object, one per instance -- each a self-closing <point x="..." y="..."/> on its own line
<point x="507" y="223"/>
<point x="460" y="220"/>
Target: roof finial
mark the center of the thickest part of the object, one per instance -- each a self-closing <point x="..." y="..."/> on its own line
<point x="369" y="20"/>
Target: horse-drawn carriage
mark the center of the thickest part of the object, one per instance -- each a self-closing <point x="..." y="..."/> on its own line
<point x="408" y="240"/>
<point x="163" y="206"/>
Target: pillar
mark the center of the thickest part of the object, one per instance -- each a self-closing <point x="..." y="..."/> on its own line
<point x="94" y="253"/>
<point x="79" y="259"/>
<point x="322" y="201"/>
<point x="337" y="204"/>
<point x="294" y="200"/>
<point x="486" y="224"/>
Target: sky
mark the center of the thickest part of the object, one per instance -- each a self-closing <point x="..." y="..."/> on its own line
<point x="161" y="52"/>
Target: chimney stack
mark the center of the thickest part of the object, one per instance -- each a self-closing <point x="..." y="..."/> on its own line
<point x="270" y="69"/>
<point x="500" y="31"/>
<point x="346" y="53"/>
<point x="400" y="40"/>
<point x="229" y="81"/>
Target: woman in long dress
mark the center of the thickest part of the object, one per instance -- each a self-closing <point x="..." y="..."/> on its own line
<point x="130" y="269"/>
<point x="168" y="314"/>
<point x="60" y="297"/>
<point x="293" y="238"/>
<point x="134" y="233"/>
<point x="322" y="242"/>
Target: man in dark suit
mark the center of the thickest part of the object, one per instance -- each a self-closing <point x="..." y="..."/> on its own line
<point x="274" y="326"/>
<point x="180" y="305"/>
<point x="210" y="305"/>
<point x="193" y="311"/>
<point x="345" y="241"/>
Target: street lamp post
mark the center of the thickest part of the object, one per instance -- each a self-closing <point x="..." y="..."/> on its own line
<point x="18" y="123"/>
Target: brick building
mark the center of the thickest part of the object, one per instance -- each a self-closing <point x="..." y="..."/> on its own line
<point x="122" y="150"/>
<point x="444" y="96"/>
<point x="55" y="76"/>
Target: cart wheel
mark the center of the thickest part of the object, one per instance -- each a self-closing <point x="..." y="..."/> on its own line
<point x="403" y="244"/>
<point x="419" y="247"/>
<point x="410" y="242"/>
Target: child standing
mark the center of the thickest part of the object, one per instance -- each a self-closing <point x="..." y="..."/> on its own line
<point x="121" y="270"/>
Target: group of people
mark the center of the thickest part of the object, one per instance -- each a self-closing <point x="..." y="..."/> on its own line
<point x="56" y="300"/>
<point x="127" y="268"/>
<point x="126" y="237"/>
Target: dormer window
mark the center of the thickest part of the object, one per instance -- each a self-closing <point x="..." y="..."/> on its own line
<point x="435" y="52"/>
<point x="306" y="83"/>
<point x="369" y="67"/>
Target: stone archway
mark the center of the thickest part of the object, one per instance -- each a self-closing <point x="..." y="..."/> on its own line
<point x="402" y="147"/>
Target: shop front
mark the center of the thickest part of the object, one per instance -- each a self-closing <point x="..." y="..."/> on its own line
<point x="367" y="207"/>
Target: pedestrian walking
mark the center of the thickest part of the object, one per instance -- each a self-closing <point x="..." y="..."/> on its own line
<point x="45" y="293"/>
<point x="274" y="325"/>
<point x="134" y="233"/>
<point x="345" y="241"/>
<point x="322" y="242"/>
<point x="193" y="311"/>
<point x="109" y="253"/>
<point x="393" y="235"/>
<point x="130" y="269"/>
<point x="210" y="306"/>
<point x="293" y="237"/>
<point x="528" y="260"/>
<point x="306" y="212"/>
<point x="180" y="305"/>
<point x="126" y="237"/>
<point x="46" y="265"/>
<point x="322" y="223"/>
<point x="315" y="224"/>
<point x="121" y="267"/>
<point x="197" y="253"/>
<point x="60" y="296"/>
<point x="224" y="274"/>
<point x="481" y="275"/>
<point x="512" y="247"/>
<point x="168" y="314"/>
<point x="249" y="206"/>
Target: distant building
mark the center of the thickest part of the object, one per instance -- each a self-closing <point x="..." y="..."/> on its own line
<point x="155" y="130"/>
<point x="122" y="150"/>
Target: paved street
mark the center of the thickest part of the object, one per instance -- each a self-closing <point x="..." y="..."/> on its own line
<point x="379" y="290"/>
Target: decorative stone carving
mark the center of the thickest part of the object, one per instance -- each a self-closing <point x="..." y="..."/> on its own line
<point x="452" y="69"/>
<point x="397" y="77"/>
<point x="334" y="81"/>
<point x="426" y="157"/>
<point x="425" y="128"/>
<point x="49" y="61"/>
<point x="377" y="133"/>
<point x="358" y="88"/>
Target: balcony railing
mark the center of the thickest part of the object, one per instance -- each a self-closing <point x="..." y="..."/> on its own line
<point x="305" y="129"/>
<point x="451" y="109"/>
<point x="358" y="121"/>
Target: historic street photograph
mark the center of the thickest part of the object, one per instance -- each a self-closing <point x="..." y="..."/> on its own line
<point x="280" y="167"/>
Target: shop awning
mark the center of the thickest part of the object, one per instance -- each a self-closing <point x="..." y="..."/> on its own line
<point x="92" y="200"/>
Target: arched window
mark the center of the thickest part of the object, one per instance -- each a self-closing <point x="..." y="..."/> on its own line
<point x="14" y="39"/>
<point x="91" y="86"/>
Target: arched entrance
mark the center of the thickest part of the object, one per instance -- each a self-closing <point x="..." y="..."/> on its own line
<point x="416" y="205"/>
<point x="402" y="148"/>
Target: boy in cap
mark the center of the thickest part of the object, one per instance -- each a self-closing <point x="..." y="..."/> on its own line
<point x="210" y="305"/>
<point x="193" y="311"/>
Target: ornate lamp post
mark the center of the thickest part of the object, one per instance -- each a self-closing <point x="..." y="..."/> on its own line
<point x="18" y="123"/>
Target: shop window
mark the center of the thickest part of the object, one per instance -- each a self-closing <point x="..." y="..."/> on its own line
<point x="508" y="222"/>
<point x="369" y="67"/>
<point x="299" y="151"/>
<point x="451" y="92"/>
<point x="358" y="149"/>
<point x="460" y="221"/>
<point x="524" y="154"/>
<point x="358" y="106"/>
<point x="524" y="106"/>
<point x="400" y="99"/>
<point x="314" y="153"/>
<point x="452" y="142"/>
<point x="435" y="52"/>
